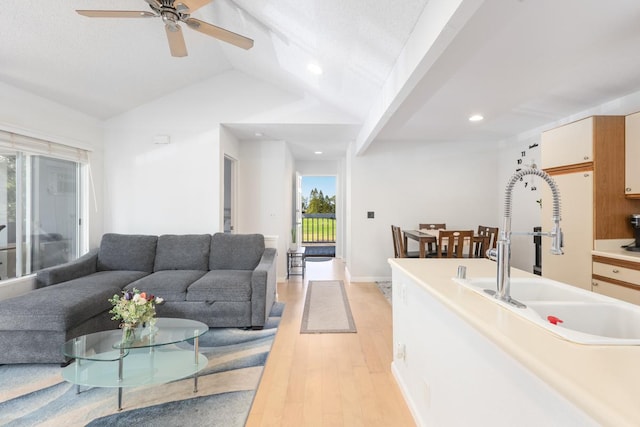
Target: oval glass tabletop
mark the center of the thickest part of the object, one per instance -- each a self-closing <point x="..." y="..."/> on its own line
<point x="110" y="345"/>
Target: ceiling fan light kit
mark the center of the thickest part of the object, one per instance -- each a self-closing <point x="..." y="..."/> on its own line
<point x="172" y="15"/>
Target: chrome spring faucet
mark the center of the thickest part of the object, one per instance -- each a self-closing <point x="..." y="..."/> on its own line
<point x="502" y="253"/>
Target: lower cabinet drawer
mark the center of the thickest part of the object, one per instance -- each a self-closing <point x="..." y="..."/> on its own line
<point x="616" y="291"/>
<point x="618" y="273"/>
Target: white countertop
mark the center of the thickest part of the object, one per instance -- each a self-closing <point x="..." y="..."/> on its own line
<point x="613" y="248"/>
<point x="604" y="381"/>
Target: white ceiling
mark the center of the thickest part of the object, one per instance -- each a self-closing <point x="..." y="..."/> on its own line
<point x="521" y="63"/>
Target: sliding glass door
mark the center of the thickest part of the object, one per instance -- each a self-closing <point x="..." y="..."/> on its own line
<point x="40" y="212"/>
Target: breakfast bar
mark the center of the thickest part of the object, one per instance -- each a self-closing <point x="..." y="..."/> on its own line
<point x="461" y="358"/>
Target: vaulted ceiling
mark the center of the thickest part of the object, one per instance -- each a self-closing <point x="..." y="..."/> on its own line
<point x="398" y="69"/>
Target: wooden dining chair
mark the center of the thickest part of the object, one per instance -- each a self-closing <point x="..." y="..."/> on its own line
<point x="452" y="244"/>
<point x="398" y="245"/>
<point x="432" y="226"/>
<point x="492" y="232"/>
<point x="481" y="244"/>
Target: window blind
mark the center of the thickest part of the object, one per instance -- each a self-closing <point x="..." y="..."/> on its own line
<point x="16" y="142"/>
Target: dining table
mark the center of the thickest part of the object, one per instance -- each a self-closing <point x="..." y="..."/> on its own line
<point x="430" y="236"/>
<point x="423" y="237"/>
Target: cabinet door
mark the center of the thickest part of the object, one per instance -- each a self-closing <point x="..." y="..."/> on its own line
<point x="615" y="291"/>
<point x="632" y="155"/>
<point x="568" y="145"/>
<point x="576" y="196"/>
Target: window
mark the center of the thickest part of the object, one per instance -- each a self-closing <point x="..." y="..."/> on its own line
<point x="41" y="204"/>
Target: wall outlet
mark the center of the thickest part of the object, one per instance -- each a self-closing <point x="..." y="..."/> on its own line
<point x="371" y="214"/>
<point x="401" y="351"/>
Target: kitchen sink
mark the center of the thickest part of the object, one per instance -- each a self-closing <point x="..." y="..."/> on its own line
<point x="533" y="289"/>
<point x="591" y="323"/>
<point x="572" y="313"/>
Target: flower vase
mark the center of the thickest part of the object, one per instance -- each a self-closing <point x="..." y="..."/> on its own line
<point x="130" y="332"/>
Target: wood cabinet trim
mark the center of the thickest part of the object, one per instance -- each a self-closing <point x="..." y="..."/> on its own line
<point x="617" y="262"/>
<point x="616" y="282"/>
<point x="578" y="167"/>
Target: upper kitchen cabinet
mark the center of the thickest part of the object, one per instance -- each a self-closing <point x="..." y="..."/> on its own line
<point x="585" y="159"/>
<point x="632" y="156"/>
<point x="570" y="144"/>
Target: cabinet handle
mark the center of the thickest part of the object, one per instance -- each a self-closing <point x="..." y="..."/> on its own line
<point x="628" y="190"/>
<point x="586" y="157"/>
<point x="615" y="270"/>
<point x="594" y="283"/>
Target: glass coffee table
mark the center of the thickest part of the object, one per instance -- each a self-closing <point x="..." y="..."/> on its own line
<point x="157" y="355"/>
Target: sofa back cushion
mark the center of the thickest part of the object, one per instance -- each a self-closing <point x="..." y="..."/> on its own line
<point x="131" y="252"/>
<point x="236" y="251"/>
<point x="183" y="252"/>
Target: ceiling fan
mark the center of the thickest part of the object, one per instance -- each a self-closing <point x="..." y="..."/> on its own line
<point x="172" y="13"/>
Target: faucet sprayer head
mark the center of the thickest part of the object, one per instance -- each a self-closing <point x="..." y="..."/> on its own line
<point x="556" y="238"/>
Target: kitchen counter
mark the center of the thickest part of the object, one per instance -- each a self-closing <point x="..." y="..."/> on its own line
<point x="601" y="381"/>
<point x="613" y="249"/>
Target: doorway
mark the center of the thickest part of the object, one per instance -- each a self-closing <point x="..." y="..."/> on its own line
<point x="229" y="210"/>
<point x="319" y="226"/>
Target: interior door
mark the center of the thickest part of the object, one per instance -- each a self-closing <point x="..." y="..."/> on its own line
<point x="298" y="210"/>
<point x="229" y="214"/>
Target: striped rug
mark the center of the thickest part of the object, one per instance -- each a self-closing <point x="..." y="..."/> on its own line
<point x="326" y="308"/>
<point x="36" y="395"/>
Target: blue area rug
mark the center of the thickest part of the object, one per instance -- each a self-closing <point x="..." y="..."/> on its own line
<point x="320" y="251"/>
<point x="36" y="395"/>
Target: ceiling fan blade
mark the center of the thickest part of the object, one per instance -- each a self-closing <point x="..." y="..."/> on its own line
<point x="115" y="14"/>
<point x="154" y="3"/>
<point x="220" y="33"/>
<point x="194" y="5"/>
<point x="176" y="40"/>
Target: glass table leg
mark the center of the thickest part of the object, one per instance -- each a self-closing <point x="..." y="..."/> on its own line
<point x="120" y="363"/>
<point x="195" y="351"/>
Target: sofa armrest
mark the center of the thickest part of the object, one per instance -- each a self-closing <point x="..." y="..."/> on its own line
<point x="83" y="266"/>
<point x="263" y="288"/>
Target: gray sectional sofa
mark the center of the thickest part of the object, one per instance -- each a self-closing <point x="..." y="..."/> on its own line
<point x="223" y="280"/>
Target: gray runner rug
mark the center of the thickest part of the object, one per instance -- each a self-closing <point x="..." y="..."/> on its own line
<point x="326" y="308"/>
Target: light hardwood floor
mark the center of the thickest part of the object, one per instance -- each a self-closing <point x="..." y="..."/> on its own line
<point x="331" y="379"/>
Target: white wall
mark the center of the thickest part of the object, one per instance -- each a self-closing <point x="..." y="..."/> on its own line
<point x="526" y="212"/>
<point x="265" y="190"/>
<point x="177" y="188"/>
<point x="406" y="183"/>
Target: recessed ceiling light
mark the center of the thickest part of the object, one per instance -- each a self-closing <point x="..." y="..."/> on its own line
<point x="314" y="68"/>
<point x="317" y="152"/>
<point x="476" y="118"/>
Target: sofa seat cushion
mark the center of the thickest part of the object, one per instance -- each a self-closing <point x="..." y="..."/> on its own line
<point x="130" y="252"/>
<point x="66" y="305"/>
<point x="170" y="285"/>
<point x="221" y="285"/>
<point x="183" y="252"/>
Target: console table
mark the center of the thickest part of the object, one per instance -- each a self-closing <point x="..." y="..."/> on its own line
<point x="296" y="262"/>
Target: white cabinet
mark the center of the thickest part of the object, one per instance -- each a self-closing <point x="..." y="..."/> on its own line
<point x="576" y="196"/>
<point x="568" y="144"/>
<point x="616" y="291"/>
<point x="594" y="206"/>
<point x="617" y="279"/>
<point x="632" y="155"/>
